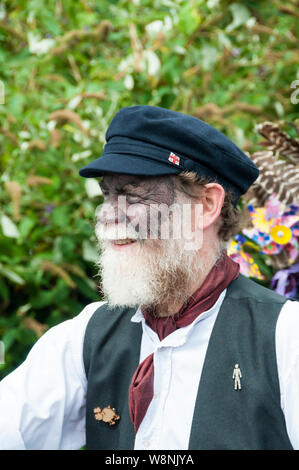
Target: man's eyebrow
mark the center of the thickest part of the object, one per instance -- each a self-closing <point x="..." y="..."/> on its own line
<point x="124" y="187"/>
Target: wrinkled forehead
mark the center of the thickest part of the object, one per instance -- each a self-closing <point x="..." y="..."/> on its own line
<point x="120" y="181"/>
<point x="151" y="189"/>
<point x="116" y="181"/>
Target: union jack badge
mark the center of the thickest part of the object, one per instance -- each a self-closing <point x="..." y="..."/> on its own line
<point x="173" y="158"/>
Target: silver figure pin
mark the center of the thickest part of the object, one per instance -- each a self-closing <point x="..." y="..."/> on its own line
<point x="237" y="376"/>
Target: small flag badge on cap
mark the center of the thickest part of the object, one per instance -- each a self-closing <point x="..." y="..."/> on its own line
<point x="173" y="158"/>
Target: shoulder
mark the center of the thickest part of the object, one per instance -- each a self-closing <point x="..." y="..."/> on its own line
<point x="244" y="287"/>
<point x="89" y="310"/>
<point x="103" y="316"/>
<point x="62" y="344"/>
<point x="68" y="330"/>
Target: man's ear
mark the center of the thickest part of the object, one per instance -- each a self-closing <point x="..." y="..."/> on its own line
<point x="212" y="199"/>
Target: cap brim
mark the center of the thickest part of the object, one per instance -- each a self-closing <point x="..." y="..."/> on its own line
<point x="127" y="165"/>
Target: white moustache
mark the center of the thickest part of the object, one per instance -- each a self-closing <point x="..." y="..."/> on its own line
<point x="115" y="232"/>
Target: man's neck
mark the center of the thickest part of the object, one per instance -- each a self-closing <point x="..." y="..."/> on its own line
<point x="171" y="308"/>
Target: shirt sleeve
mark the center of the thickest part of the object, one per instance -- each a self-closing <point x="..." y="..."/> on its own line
<point x="42" y="402"/>
<point x="287" y="351"/>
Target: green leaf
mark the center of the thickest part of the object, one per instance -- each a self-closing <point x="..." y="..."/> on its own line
<point x="50" y="296"/>
<point x="64" y="248"/>
<point x="188" y="18"/>
<point x="209" y="56"/>
<point x="89" y="251"/>
<point x="9" y="338"/>
<point x="11" y="275"/>
<point x="52" y="25"/>
<point x="26" y="225"/>
<point x="9" y="228"/>
<point x="60" y="216"/>
<point x="15" y="103"/>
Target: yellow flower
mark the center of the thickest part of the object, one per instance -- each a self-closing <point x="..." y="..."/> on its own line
<point x="232" y="248"/>
<point x="281" y="234"/>
<point x="259" y="220"/>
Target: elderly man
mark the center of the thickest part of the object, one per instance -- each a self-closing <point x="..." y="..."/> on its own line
<point x="184" y="352"/>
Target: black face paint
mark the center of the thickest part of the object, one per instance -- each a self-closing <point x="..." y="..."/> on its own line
<point x="146" y="199"/>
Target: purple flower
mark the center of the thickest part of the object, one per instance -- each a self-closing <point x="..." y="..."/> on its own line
<point x="286" y="281"/>
<point x="49" y="208"/>
<point x="236" y="52"/>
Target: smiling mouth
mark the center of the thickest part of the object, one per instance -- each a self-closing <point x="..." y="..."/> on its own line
<point x="127" y="241"/>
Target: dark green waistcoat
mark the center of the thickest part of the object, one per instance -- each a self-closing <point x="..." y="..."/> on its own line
<point x="224" y="418"/>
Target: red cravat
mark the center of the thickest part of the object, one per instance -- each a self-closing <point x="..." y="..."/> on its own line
<point x="142" y="384"/>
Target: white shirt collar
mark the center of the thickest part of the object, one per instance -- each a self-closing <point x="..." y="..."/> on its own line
<point x="178" y="337"/>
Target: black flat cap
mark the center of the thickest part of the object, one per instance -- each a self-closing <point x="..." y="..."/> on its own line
<point x="152" y="141"/>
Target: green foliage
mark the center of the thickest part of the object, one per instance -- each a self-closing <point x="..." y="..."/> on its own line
<point x="229" y="63"/>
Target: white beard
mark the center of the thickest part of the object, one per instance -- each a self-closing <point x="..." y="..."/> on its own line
<point x="148" y="273"/>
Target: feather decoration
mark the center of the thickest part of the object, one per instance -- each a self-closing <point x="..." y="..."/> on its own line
<point x="276" y="176"/>
<point x="278" y="141"/>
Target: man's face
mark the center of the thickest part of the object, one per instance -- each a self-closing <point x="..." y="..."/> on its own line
<point x="140" y="261"/>
<point x="139" y="204"/>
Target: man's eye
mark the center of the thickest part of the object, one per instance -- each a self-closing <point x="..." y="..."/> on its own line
<point x="132" y="199"/>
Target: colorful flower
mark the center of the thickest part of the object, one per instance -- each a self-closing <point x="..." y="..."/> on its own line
<point x="258" y="217"/>
<point x="281" y="234"/>
<point x="286" y="281"/>
<point x="275" y="228"/>
<point x="248" y="266"/>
